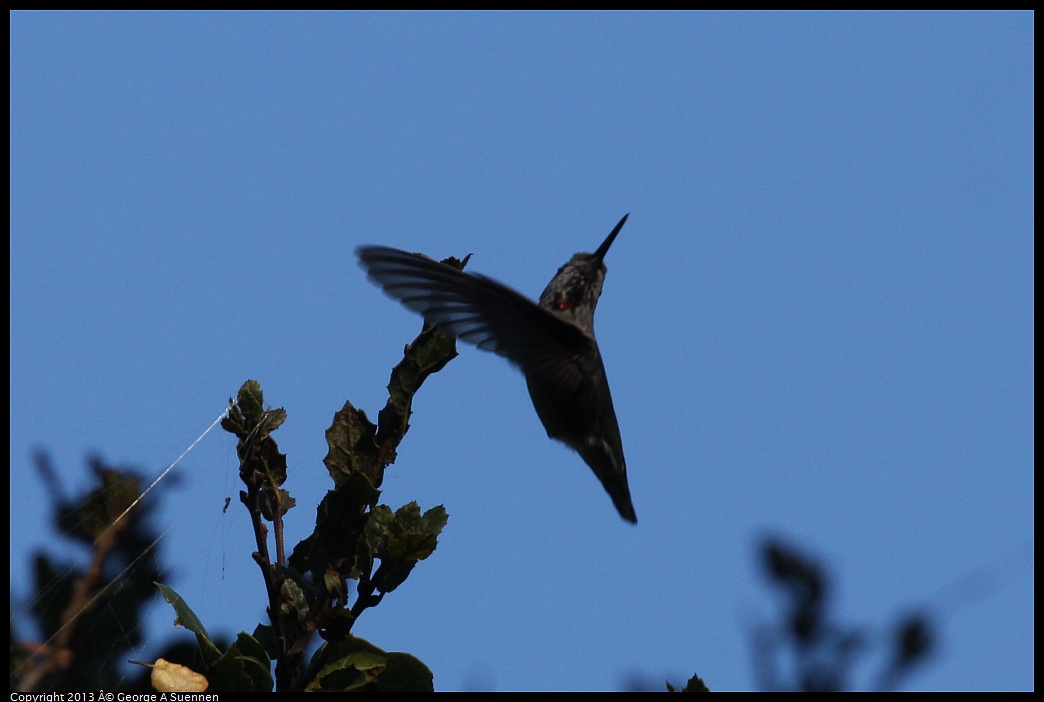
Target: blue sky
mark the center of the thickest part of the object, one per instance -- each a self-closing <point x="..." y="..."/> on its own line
<point x="817" y="322"/>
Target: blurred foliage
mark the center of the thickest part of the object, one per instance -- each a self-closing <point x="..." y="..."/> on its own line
<point x="822" y="652"/>
<point x="85" y="612"/>
<point x="807" y="650"/>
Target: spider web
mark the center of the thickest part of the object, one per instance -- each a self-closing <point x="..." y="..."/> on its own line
<point x="86" y="614"/>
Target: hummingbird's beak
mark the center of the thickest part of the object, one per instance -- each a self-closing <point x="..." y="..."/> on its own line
<point x="600" y="253"/>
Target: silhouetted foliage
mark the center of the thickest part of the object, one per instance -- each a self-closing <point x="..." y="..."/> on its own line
<point x="87" y="618"/>
<point x="823" y="652"/>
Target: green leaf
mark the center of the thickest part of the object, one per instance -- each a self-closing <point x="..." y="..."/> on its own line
<point x="336" y="541"/>
<point x="402" y="539"/>
<point x="251" y="401"/>
<point x="356" y="664"/>
<point x="283" y="505"/>
<point x="261" y="466"/>
<point x="292" y="599"/>
<point x="352" y="447"/>
<point x="351" y="664"/>
<point x="188" y="619"/>
<point x="335" y="623"/>
<point x="429" y="353"/>
<point x="405" y="673"/>
<point x="244" y="667"/>
<point x="264" y="634"/>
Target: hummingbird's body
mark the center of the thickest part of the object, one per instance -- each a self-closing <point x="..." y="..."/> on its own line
<point x="552" y="342"/>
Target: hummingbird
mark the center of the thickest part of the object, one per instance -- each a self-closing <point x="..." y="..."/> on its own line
<point x="551" y="341"/>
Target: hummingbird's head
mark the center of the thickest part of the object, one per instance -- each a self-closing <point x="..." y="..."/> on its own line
<point x="574" y="291"/>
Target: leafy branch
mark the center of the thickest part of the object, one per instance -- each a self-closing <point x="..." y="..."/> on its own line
<point x="355" y="540"/>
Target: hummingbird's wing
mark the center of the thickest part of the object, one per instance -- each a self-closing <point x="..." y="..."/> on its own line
<point x="560" y="361"/>
<point x="483" y="312"/>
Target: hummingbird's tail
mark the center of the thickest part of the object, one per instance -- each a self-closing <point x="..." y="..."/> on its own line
<point x="611" y="473"/>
